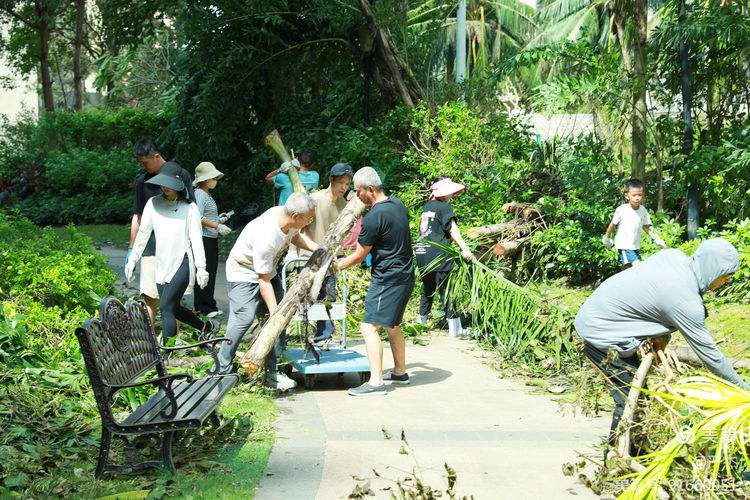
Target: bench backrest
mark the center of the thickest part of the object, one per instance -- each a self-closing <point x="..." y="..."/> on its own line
<point x="117" y="348"/>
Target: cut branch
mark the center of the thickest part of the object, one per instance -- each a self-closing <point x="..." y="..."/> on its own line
<point x="510" y="248"/>
<point x="305" y="289"/>
<point x="623" y="443"/>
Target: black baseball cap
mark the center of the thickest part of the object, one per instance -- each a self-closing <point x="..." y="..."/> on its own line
<point x="340" y="169"/>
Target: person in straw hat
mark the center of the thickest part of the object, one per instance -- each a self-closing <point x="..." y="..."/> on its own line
<point x="180" y="259"/>
<point x="206" y="178"/>
<point x="438" y="225"/>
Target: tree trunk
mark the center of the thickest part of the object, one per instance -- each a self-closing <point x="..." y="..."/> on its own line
<point x="77" y="76"/>
<point x="691" y="195"/>
<point x="638" y="110"/>
<point x="396" y="78"/>
<point x="305" y="289"/>
<point x="42" y="13"/>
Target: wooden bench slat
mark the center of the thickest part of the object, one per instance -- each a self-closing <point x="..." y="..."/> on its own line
<point x="190" y="396"/>
<point x="157" y="403"/>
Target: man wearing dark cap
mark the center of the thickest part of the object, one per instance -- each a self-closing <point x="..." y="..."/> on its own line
<point x="329" y="203"/>
<point x="148" y="155"/>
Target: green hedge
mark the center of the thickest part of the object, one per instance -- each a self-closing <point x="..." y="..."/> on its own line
<point x="82" y="162"/>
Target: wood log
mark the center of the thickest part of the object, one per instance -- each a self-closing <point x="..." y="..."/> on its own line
<point x="687" y="355"/>
<point x="510" y="248"/>
<point x="304" y="289"/>
<point x="623" y="443"/>
<point x="514" y="227"/>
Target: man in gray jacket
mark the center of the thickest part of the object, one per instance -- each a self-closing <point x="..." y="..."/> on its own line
<point x="653" y="300"/>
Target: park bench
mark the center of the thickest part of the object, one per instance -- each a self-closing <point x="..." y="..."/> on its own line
<point x="119" y="348"/>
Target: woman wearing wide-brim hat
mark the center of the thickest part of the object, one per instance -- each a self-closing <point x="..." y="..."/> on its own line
<point x="180" y="259"/>
<point x="212" y="222"/>
<point x="438" y="225"/>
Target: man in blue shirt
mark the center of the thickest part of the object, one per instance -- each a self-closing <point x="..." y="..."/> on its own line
<point x="309" y="177"/>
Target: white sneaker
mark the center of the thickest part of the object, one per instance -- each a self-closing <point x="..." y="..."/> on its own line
<point x="280" y="382"/>
<point x="214" y="314"/>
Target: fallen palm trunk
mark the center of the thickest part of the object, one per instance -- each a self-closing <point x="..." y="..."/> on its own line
<point x="513" y="226"/>
<point x="305" y="289"/>
<point x="273" y="141"/>
<point x="687" y="355"/>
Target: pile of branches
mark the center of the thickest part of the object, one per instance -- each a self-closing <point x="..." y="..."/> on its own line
<point x="511" y="239"/>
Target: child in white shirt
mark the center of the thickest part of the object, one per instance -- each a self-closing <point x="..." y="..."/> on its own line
<point x="630" y="219"/>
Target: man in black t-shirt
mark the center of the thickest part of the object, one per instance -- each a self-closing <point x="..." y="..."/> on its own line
<point x="148" y="155"/>
<point x="385" y="235"/>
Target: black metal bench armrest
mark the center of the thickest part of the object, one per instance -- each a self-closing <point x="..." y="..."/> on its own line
<point x="211" y="343"/>
<point x="154" y="381"/>
<point x="199" y="344"/>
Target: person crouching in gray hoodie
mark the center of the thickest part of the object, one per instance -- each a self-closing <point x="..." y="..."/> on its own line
<point x="653" y="300"/>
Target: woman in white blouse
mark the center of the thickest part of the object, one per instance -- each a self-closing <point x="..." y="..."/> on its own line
<point x="180" y="259"/>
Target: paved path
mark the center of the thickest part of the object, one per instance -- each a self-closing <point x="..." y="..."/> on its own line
<point x="502" y="441"/>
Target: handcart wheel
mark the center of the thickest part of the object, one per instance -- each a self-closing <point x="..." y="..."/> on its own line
<point x="363" y="376"/>
<point x="310" y="381"/>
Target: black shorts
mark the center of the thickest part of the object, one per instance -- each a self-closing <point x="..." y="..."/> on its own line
<point x="385" y="303"/>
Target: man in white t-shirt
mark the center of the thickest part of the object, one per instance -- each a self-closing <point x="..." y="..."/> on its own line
<point x="630" y="219"/>
<point x="251" y="276"/>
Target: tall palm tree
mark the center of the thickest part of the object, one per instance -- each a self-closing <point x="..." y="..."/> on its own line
<point x="495" y="29"/>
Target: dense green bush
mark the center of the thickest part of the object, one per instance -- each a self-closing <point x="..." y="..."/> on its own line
<point x="48" y="286"/>
<point x="78" y="167"/>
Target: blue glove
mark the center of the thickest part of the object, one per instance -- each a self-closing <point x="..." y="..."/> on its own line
<point x="127" y="257"/>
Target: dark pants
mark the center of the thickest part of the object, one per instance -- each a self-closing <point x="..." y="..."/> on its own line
<point x="434" y="283"/>
<point x="245" y="302"/>
<point x="619" y="374"/>
<point x="204" y="297"/>
<point x="324" y="328"/>
<point x="170" y="295"/>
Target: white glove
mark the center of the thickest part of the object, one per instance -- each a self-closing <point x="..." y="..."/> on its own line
<point x="224" y="216"/>
<point x="284" y="168"/>
<point x="130" y="270"/>
<point x="658" y="241"/>
<point x="201" y="277"/>
<point x="607" y="242"/>
<point x="466" y="254"/>
<point x="224" y="230"/>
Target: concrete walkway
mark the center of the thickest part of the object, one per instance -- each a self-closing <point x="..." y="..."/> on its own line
<point x="502" y="441"/>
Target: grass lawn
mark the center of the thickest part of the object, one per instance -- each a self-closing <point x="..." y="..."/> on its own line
<point x="224" y="463"/>
<point x="116" y="235"/>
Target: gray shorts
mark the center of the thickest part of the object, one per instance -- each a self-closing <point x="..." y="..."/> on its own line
<point x="385" y="303"/>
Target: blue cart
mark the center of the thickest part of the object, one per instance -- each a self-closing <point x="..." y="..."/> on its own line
<point x="340" y="360"/>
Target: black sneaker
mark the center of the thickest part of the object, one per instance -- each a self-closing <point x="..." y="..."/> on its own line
<point x="210" y="329"/>
<point x="368" y="390"/>
<point x="396" y="379"/>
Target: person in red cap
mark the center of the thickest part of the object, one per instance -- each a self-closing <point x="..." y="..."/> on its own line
<point x="438" y="225"/>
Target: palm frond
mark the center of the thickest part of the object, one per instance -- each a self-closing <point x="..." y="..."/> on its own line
<point x="723" y="429"/>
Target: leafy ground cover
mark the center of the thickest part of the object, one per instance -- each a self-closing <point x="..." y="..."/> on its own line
<point x="50" y="282"/>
